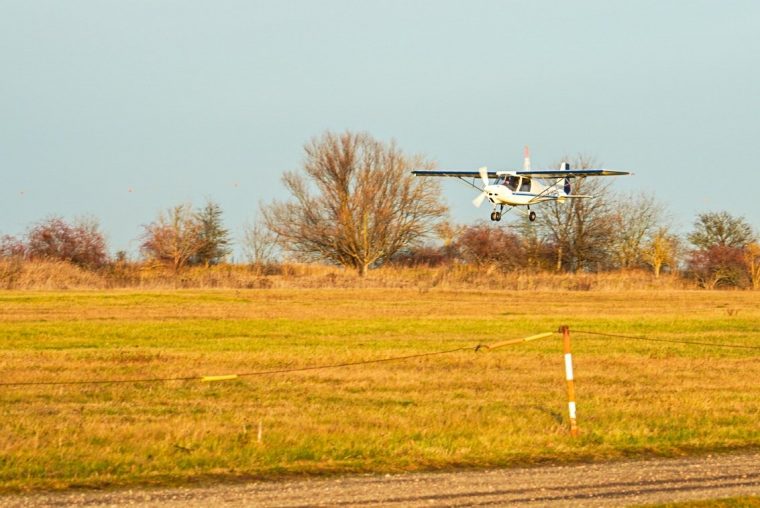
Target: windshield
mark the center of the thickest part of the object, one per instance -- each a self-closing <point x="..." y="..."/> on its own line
<point x="511" y="182"/>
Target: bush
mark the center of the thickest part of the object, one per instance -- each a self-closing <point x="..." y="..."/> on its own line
<point x="423" y="256"/>
<point x="718" y="266"/>
<point x="486" y="244"/>
<point x="80" y="243"/>
<point x="11" y="248"/>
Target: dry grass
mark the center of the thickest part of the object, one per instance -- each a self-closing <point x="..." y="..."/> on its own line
<point x="735" y="502"/>
<point x="464" y="409"/>
<point x="48" y="275"/>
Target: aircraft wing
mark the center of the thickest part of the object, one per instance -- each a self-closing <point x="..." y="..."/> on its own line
<point x="457" y="174"/>
<point x="559" y="173"/>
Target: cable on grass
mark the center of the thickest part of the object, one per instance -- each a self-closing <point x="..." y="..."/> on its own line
<point x="475" y="348"/>
<point x="246" y="374"/>
<point x="690" y="342"/>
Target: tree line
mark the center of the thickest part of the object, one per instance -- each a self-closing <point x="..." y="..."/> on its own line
<point x="355" y="203"/>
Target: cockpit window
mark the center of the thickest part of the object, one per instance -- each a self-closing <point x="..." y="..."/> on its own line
<point x="511" y="182"/>
<point x="525" y="186"/>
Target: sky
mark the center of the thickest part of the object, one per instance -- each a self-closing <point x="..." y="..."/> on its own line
<point x="121" y="109"/>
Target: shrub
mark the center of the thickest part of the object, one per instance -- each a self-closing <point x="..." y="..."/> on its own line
<point x="80" y="243"/>
<point x="718" y="266"/>
<point x="485" y="244"/>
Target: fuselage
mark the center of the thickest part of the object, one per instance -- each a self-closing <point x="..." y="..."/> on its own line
<point x="510" y="189"/>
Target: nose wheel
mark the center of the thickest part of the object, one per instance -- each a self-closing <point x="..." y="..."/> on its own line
<point x="495" y="216"/>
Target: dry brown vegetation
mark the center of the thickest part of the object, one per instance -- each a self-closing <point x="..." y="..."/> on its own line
<point x="55" y="275"/>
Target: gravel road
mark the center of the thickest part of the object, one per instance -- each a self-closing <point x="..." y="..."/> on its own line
<point x="609" y="484"/>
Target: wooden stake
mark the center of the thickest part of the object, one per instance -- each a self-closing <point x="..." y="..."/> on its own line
<point x="570" y="380"/>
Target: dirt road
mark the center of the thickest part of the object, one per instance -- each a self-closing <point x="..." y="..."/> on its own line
<point x="613" y="484"/>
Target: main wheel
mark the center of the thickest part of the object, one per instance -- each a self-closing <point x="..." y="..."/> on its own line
<point x="497" y="216"/>
<point x="532" y="216"/>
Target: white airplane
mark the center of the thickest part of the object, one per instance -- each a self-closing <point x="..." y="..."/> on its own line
<point x="523" y="188"/>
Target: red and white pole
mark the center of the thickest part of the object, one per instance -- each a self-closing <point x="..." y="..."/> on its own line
<point x="570" y="380"/>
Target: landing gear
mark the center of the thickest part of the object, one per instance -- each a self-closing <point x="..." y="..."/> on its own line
<point x="495" y="216"/>
<point x="532" y="216"/>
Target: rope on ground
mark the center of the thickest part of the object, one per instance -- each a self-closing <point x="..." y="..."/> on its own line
<point x="691" y="342"/>
<point x="514" y="341"/>
<point x="275" y="371"/>
<point x="476" y="348"/>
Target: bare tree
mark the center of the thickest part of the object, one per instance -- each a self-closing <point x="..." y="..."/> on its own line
<point x="581" y="230"/>
<point x="259" y="244"/>
<point x="637" y="219"/>
<point x="661" y="250"/>
<point x="174" y="237"/>
<point x="355" y="202"/>
<point x="448" y="232"/>
<point x="538" y="251"/>
<point x="720" y="229"/>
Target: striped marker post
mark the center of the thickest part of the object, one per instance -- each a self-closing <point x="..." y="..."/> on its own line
<point x="570" y="380"/>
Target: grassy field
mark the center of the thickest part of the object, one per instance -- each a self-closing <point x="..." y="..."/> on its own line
<point x="466" y="409"/>
<point x="737" y="502"/>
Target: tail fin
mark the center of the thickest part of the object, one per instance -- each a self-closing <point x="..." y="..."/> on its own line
<point x="567" y="188"/>
<point x="526" y="158"/>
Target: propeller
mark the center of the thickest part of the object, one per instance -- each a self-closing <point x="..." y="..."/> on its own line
<point x="482" y="196"/>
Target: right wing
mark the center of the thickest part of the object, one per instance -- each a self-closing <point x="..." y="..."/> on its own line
<point x="571" y="173"/>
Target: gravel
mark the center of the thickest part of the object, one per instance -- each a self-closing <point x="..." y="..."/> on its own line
<point x="621" y="483"/>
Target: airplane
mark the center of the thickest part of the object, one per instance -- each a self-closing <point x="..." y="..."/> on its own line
<point x="522" y="188"/>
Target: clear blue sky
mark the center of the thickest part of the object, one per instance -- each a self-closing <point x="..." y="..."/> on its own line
<point x="183" y="100"/>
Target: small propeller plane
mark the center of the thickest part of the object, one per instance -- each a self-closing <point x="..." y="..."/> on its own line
<point x="522" y="188"/>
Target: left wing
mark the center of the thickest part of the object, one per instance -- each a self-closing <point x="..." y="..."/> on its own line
<point x="562" y="173"/>
<point x="458" y="174"/>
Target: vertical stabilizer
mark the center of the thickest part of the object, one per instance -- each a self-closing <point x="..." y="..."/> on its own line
<point x="567" y="188"/>
<point x="526" y="158"/>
